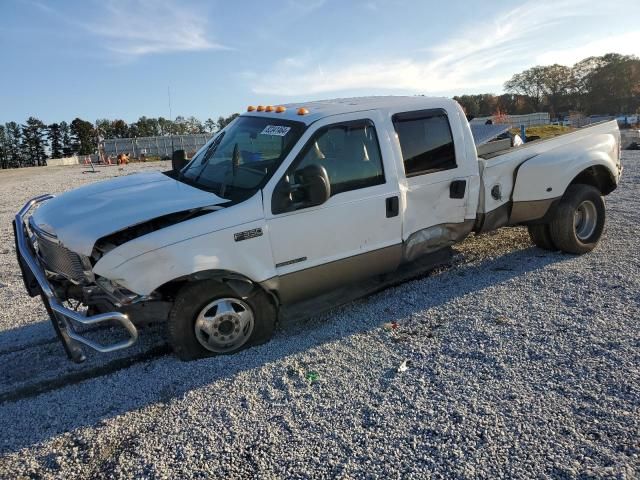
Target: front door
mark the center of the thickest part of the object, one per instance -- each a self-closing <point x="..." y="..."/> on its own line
<point x="357" y="232"/>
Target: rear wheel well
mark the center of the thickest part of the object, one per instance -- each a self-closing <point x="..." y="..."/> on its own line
<point x="597" y="176"/>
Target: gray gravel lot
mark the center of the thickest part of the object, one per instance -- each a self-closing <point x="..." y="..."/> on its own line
<point x="521" y="364"/>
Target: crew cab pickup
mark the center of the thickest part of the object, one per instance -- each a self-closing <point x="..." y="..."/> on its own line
<point x="291" y="201"/>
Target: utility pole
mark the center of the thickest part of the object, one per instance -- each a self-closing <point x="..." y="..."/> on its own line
<point x="170" y="119"/>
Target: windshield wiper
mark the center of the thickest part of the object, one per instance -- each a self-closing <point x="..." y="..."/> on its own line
<point x="235" y="162"/>
<point x="206" y="157"/>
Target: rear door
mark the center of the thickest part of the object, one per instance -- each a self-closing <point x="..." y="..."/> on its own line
<point x="437" y="182"/>
<point x="357" y="232"/>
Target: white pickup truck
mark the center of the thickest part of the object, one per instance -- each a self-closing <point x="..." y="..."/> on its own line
<point x="291" y="201"/>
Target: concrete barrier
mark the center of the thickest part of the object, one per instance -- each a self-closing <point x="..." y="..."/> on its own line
<point x="57" y="162"/>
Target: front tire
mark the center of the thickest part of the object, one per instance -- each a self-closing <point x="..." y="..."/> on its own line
<point x="208" y="318"/>
<point x="579" y="220"/>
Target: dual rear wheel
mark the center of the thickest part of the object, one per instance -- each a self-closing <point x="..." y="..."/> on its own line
<point x="577" y="223"/>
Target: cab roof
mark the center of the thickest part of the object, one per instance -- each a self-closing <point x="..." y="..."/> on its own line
<point x="319" y="109"/>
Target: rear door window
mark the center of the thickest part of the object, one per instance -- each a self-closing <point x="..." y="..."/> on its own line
<point x="426" y="142"/>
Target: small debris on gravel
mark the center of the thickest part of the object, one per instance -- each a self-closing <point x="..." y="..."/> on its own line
<point x="404" y="366"/>
<point x="524" y="364"/>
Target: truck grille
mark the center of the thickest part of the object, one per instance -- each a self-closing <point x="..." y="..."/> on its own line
<point x="59" y="259"/>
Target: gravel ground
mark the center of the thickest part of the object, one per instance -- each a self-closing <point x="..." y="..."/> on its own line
<point x="520" y="364"/>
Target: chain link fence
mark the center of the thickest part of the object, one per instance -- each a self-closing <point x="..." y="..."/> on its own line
<point x="528" y="120"/>
<point x="162" y="147"/>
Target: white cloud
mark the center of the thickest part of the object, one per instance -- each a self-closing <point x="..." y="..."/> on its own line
<point x="131" y="29"/>
<point x="150" y="27"/>
<point x="483" y="55"/>
<point x="624" y="43"/>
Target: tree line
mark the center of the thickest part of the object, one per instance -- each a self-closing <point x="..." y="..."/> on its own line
<point x="31" y="143"/>
<point x="606" y="85"/>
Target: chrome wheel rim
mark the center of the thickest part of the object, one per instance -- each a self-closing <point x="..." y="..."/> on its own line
<point x="224" y="325"/>
<point x="585" y="220"/>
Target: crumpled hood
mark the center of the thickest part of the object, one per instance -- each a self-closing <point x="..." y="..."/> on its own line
<point x="81" y="216"/>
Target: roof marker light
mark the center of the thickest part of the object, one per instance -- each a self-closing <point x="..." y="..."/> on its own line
<point x="269" y="108"/>
<point x="250" y="108"/>
<point x="302" y="111"/>
<point x="281" y="109"/>
<point x="260" y="108"/>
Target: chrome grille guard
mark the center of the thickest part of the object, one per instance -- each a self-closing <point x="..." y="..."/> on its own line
<point x="63" y="318"/>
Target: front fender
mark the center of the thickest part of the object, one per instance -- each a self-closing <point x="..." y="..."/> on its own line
<point x="220" y="250"/>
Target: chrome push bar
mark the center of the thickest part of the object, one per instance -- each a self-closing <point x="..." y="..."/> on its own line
<point x="63" y="318"/>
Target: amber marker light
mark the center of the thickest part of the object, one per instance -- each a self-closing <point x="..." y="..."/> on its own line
<point x="260" y="108"/>
<point x="250" y="108"/>
<point x="302" y="111"/>
<point x="280" y="109"/>
<point x="269" y="108"/>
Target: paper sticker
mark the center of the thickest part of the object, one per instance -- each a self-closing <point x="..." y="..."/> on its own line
<point x="277" y="130"/>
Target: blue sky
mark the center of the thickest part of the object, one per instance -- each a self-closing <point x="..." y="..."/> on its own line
<point x="116" y="58"/>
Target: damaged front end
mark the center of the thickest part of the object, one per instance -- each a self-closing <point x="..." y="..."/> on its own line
<point x="58" y="275"/>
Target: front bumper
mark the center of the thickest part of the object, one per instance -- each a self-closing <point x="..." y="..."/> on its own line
<point x="64" y="320"/>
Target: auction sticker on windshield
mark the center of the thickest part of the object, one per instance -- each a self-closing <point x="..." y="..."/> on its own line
<point x="276" y="130"/>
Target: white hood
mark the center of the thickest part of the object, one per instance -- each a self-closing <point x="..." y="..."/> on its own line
<point x="82" y="216"/>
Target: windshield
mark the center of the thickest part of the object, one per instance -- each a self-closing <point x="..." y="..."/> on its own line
<point x="237" y="162"/>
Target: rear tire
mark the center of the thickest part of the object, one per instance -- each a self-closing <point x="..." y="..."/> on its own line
<point x="208" y="318"/>
<point x="541" y="236"/>
<point x="579" y="220"/>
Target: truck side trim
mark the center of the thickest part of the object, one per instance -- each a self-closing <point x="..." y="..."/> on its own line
<point x="496" y="218"/>
<point x="308" y="282"/>
<point x="530" y="210"/>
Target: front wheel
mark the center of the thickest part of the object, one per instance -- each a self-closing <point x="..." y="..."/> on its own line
<point x="209" y="318"/>
<point x="579" y="220"/>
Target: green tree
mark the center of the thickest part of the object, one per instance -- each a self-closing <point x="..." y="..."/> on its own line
<point x="4" y="151"/>
<point x="120" y="129"/>
<point x="180" y="126"/>
<point x="223" y="122"/>
<point x="83" y="137"/>
<point x="194" y="126"/>
<point x="613" y="84"/>
<point x="55" y="140"/>
<point x="105" y="128"/>
<point x="33" y="142"/>
<point x="469" y="103"/>
<point x="14" y="151"/>
<point x="65" y="131"/>
<point x="147" y="127"/>
<point x="531" y="84"/>
<point x="210" y="125"/>
<point x="165" y="126"/>
<point x="557" y="83"/>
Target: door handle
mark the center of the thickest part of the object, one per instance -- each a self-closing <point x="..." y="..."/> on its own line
<point x="393" y="207"/>
<point x="457" y="188"/>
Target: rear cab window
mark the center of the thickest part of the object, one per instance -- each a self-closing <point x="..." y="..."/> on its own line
<point x="426" y="141"/>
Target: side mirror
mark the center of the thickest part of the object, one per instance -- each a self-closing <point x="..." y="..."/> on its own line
<point x="178" y="160"/>
<point x="311" y="188"/>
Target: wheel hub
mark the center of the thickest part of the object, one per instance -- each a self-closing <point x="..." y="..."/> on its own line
<point x="224" y="325"/>
<point x="585" y="220"/>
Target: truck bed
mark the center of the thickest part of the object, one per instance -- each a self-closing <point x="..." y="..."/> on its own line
<point x="502" y="169"/>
